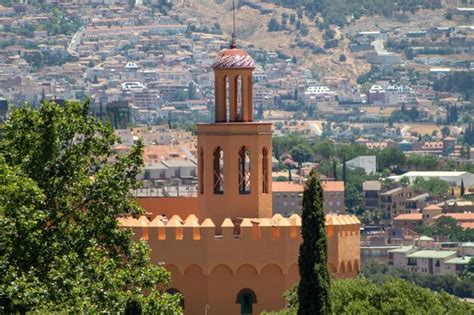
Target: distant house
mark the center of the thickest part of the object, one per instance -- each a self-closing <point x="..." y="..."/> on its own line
<point x="366" y="162"/>
<point x="371" y="194"/>
<point x="408" y="220"/>
<point x="288" y="197"/>
<point x="333" y="193"/>
<point x="427" y="259"/>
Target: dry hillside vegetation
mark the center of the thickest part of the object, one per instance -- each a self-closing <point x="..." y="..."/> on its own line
<point x="252" y="29"/>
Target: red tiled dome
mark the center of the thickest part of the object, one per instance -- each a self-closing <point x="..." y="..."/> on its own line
<point x="233" y="58"/>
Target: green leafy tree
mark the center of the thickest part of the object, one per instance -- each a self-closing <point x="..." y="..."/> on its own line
<point x="313" y="290"/>
<point x="445" y="132"/>
<point x="434" y="185"/>
<point x="405" y="181"/>
<point x="447" y="226"/>
<point x="390" y="157"/>
<point x="273" y="25"/>
<point x="470" y="266"/>
<point x="191" y="90"/>
<point x="61" y="192"/>
<point x="301" y="153"/>
<point x="391" y="296"/>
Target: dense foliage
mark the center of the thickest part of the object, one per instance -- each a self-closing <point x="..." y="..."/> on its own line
<point x="59" y="23"/>
<point x="447" y="226"/>
<point x="435" y="186"/>
<point x="393" y="296"/>
<point x="469" y="135"/>
<point x="313" y="290"/>
<point x="338" y="11"/>
<point x="61" y="192"/>
<point x="461" y="82"/>
<point x="462" y="286"/>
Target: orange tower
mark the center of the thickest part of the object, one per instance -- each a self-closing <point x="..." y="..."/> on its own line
<point x="230" y="255"/>
<point x="234" y="153"/>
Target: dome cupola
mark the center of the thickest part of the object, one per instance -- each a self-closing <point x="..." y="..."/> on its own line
<point x="233" y="58"/>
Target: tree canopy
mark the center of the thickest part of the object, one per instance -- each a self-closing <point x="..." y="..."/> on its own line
<point x="435" y="186"/>
<point x="61" y="192"/>
<point x="393" y="296"/>
<point x="449" y="227"/>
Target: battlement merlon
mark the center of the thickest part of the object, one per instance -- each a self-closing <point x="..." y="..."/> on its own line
<point x="256" y="241"/>
<point x="253" y="229"/>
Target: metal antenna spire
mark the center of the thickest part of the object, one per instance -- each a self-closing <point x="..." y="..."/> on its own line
<point x="233" y="44"/>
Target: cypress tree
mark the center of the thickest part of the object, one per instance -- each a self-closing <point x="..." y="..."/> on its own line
<point x="313" y="289"/>
<point x="334" y="169"/>
<point x="344" y="171"/>
<point x="462" y="188"/>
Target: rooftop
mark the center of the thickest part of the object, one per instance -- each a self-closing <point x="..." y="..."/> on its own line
<point x="402" y="249"/>
<point x="392" y="191"/>
<point x="436" y="254"/>
<point x="408" y="217"/>
<point x="287" y="187"/>
<point x="430" y="174"/>
<point x="371" y="185"/>
<point x="333" y="186"/>
<point x="233" y="58"/>
<point x="432" y="208"/>
<point x="460" y="260"/>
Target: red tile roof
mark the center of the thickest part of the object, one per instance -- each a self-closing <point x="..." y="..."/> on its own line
<point x="333" y="186"/>
<point x="432" y="207"/>
<point x="409" y="217"/>
<point x="467" y="225"/>
<point x="287" y="187"/>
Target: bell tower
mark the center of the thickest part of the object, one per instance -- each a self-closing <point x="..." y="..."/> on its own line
<point x="234" y="152"/>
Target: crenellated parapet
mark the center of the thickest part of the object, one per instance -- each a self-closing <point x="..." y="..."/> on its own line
<point x="259" y="242"/>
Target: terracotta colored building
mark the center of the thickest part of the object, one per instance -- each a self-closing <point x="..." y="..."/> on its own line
<point x="334" y="197"/>
<point x="288" y="197"/>
<point x="229" y="254"/>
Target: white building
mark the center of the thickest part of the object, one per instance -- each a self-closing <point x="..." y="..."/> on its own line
<point x="452" y="178"/>
<point x="367" y="162"/>
<point x="321" y="96"/>
<point x="399" y="94"/>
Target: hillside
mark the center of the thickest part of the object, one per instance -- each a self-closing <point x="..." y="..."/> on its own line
<point x="253" y="17"/>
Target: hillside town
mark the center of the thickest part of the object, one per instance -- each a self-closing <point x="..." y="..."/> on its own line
<point x="393" y="145"/>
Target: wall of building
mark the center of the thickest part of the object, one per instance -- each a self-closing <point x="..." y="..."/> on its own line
<point x="210" y="266"/>
<point x="169" y="206"/>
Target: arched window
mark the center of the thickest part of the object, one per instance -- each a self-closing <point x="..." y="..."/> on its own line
<point x="265" y="171"/>
<point x="218" y="171"/>
<point x="174" y="291"/>
<point x="246" y="298"/>
<point x="244" y="170"/>
<point x="239" y="98"/>
<point x="201" y="171"/>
